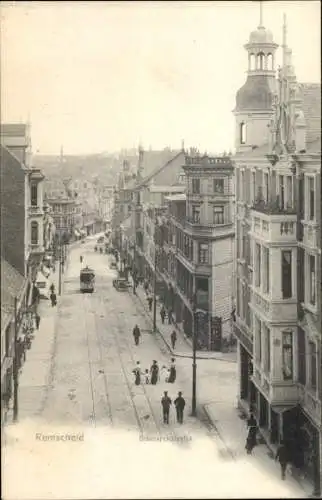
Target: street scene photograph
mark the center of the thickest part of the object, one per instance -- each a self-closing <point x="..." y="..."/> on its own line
<point x="160" y="224"/>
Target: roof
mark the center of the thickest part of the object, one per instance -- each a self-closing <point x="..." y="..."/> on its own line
<point x="311" y="95"/>
<point x="13" y="129"/>
<point x="12" y="285"/>
<point x="153" y="162"/>
<point x="255" y="94"/>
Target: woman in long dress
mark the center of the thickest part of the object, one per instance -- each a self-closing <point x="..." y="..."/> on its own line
<point x="173" y="372"/>
<point x="154" y="373"/>
<point x="137" y="373"/>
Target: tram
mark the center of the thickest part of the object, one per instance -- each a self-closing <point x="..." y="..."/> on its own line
<point x="87" y="280"/>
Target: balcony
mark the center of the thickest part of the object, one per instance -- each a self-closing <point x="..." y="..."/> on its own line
<point x="36" y="248"/>
<point x="209" y="161"/>
<point x="274" y="227"/>
<point x="35" y="210"/>
<point x="284" y="309"/>
<point x="277" y="392"/>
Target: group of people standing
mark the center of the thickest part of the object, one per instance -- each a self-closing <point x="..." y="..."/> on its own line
<point x="179" y="404"/>
<point x="154" y="374"/>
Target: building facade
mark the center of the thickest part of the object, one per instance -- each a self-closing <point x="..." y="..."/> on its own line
<point x="278" y="250"/>
<point x="67" y="216"/>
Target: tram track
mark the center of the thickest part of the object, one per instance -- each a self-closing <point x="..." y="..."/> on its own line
<point x="93" y="416"/>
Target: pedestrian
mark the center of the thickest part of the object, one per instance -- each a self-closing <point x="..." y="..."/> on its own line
<point x="173" y="372"/>
<point x="137" y="373"/>
<point x="53" y="298"/>
<point x="162" y="314"/>
<point x="166" y="403"/>
<point x="146" y="287"/>
<point x="180" y="403"/>
<point x="52" y="288"/>
<point x="37" y="319"/>
<point x="282" y="456"/>
<point x="150" y="302"/>
<point x="81" y="259"/>
<point x="164" y="373"/>
<point x="136" y="334"/>
<point x="147" y="376"/>
<point x="170" y="317"/>
<point x="173" y="338"/>
<point x="154" y="370"/>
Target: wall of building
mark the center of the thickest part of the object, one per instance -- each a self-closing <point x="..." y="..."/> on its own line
<point x="223" y="281"/>
<point x="13" y="211"/>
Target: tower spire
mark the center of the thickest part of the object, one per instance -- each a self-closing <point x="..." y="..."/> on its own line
<point x="284" y="39"/>
<point x="260" y="14"/>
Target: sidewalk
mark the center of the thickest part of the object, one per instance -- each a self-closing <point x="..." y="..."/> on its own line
<point x="183" y="348"/>
<point x="34" y="375"/>
<point x="232" y="430"/>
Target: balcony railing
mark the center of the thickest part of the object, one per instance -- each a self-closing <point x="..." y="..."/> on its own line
<point x="35" y="209"/>
<point x="219" y="161"/>
<point x="273" y="207"/>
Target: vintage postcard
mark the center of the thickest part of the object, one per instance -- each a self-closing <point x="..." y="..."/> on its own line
<point x="161" y="250"/>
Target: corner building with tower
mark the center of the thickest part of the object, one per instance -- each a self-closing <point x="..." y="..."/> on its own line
<point x="278" y="252"/>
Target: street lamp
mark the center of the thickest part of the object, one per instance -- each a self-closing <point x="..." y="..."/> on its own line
<point x="194" y="364"/>
<point x="155" y="279"/>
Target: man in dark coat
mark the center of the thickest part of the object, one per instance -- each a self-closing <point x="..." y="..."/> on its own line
<point x="173" y="338"/>
<point x="251" y="437"/>
<point x="162" y="314"/>
<point x="37" y="318"/>
<point x="179" y="403"/>
<point x="136" y="334"/>
<point x="53" y="299"/>
<point x="150" y="302"/>
<point x="282" y="456"/>
<point x="166" y="403"/>
<point x="154" y="370"/>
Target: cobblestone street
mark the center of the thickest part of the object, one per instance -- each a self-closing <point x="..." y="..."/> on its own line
<point x="90" y="392"/>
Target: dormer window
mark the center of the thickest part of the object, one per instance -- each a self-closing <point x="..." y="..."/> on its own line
<point x="242" y="133"/>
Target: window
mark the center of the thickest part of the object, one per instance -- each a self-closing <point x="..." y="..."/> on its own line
<point x="287" y="355"/>
<point x="195" y="186"/>
<point x="260" y="60"/>
<point x="34" y="233"/>
<point x="267" y="337"/>
<point x="266" y="194"/>
<point x="270" y="65"/>
<point x="311" y="198"/>
<point x="281" y="191"/>
<point x="252" y="62"/>
<point x="196" y="214"/>
<point x="242" y="186"/>
<point x="218" y="215"/>
<point x="258" y="266"/>
<point x="313" y="365"/>
<point x="34" y="195"/>
<point x="253" y="186"/>
<point x="218" y="185"/>
<point x="301" y="356"/>
<point x="258" y="339"/>
<point x="203" y="253"/>
<point x="312" y="278"/>
<point x="286" y="274"/>
<point x="266" y="284"/>
<point x="289" y="191"/>
<point x="243" y="133"/>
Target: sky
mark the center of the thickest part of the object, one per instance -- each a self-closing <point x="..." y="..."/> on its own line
<point x="101" y="76"/>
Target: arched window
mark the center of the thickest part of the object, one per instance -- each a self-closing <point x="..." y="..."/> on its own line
<point x="252" y="62"/>
<point x="270" y="62"/>
<point x="34" y="233"/>
<point x="260" y="60"/>
<point x="242" y="132"/>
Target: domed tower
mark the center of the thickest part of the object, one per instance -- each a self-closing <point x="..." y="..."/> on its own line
<point x="254" y="99"/>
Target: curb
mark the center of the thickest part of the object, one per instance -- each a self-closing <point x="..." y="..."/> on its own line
<point x="178" y="355"/>
<point x="213" y="425"/>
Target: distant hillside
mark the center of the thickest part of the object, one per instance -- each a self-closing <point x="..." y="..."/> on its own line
<point x="104" y="166"/>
